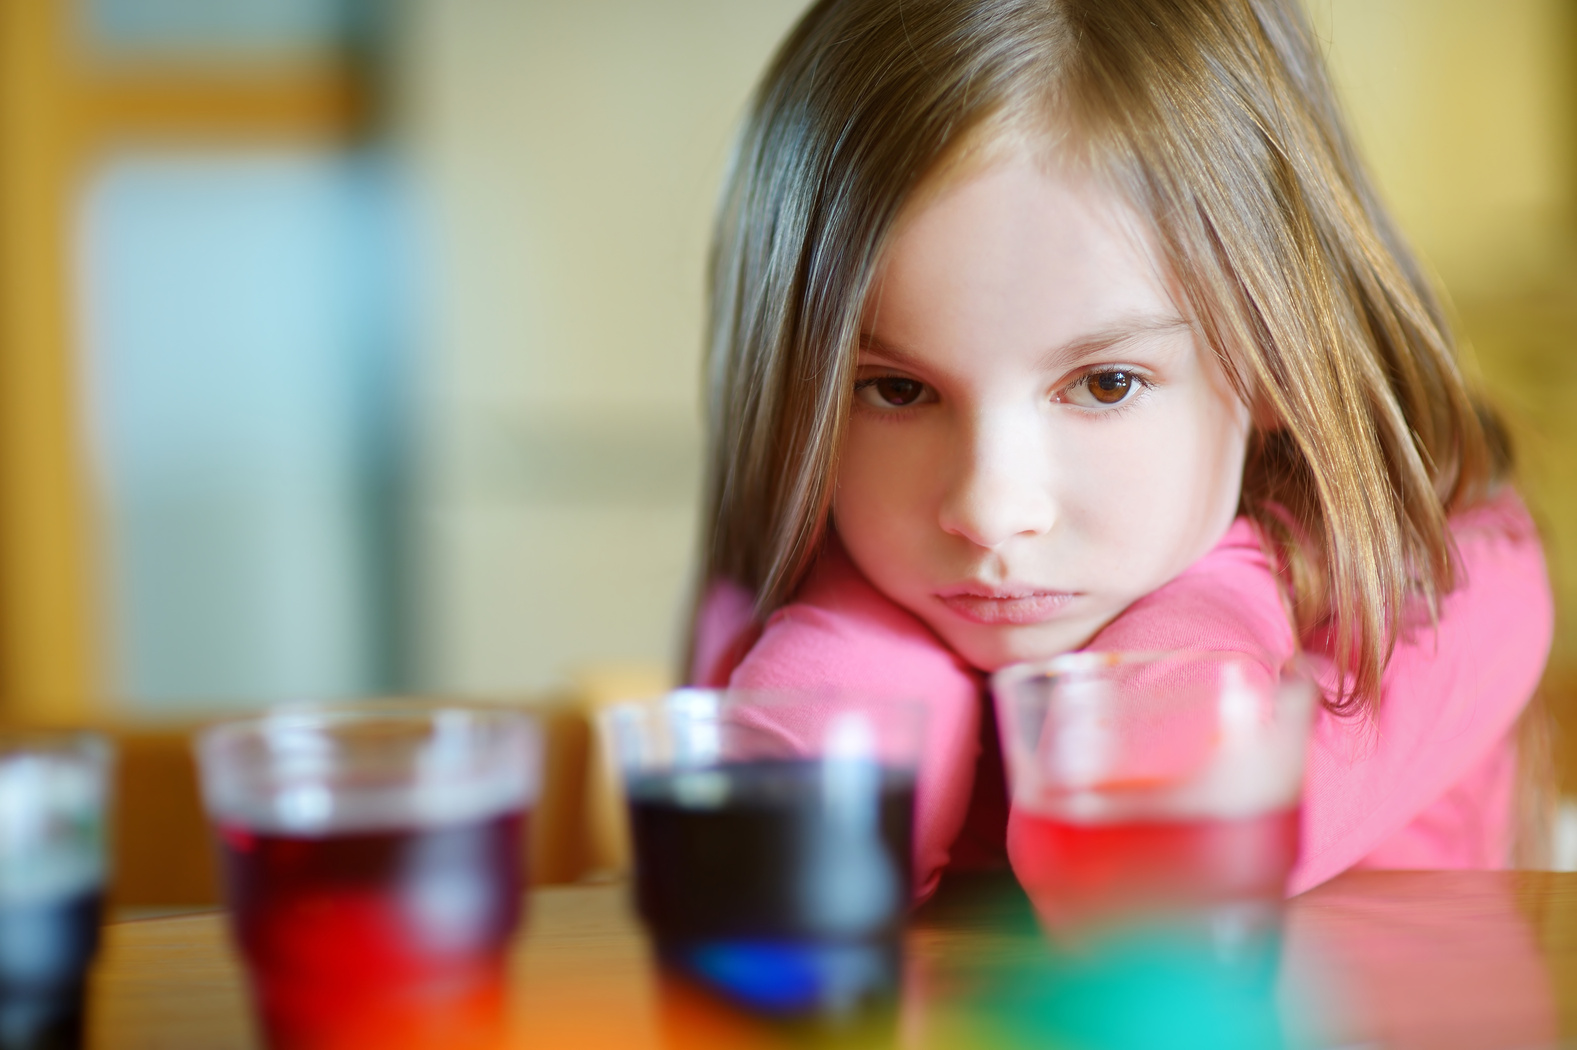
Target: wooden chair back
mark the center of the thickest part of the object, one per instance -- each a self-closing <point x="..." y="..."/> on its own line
<point x="162" y="852"/>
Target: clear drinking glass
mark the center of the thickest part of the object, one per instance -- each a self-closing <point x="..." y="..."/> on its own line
<point x="1154" y="784"/>
<point x="52" y="875"/>
<point x="773" y="841"/>
<point x="374" y="859"/>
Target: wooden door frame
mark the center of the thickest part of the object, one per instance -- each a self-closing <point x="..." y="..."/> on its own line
<point x="60" y="114"/>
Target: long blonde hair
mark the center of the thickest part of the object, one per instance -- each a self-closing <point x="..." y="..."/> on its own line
<point x="1215" y="118"/>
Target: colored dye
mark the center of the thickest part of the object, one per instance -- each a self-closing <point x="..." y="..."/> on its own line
<point x="388" y="938"/>
<point x="782" y="884"/>
<point x="45" y="949"/>
<point x="1079" y="872"/>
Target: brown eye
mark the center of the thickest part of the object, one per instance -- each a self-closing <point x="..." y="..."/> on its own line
<point x="898" y="391"/>
<point x="1109" y="387"/>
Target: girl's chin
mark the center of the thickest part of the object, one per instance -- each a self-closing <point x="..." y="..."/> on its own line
<point x="991" y="648"/>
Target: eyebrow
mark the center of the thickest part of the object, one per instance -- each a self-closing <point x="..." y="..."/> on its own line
<point x="1104" y="339"/>
<point x="1066" y="354"/>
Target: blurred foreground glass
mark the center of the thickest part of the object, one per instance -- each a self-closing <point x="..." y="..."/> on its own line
<point x="374" y="864"/>
<point x="52" y="790"/>
<point x="1155" y="786"/>
<point x="773" y="841"/>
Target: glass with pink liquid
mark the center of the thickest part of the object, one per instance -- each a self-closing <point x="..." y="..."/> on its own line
<point x="373" y="860"/>
<point x="1154" y="787"/>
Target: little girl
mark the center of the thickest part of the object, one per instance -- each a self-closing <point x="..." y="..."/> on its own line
<point x="1041" y="325"/>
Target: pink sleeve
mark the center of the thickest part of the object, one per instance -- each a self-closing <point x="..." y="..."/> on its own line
<point x="841" y="632"/>
<point x="1426" y="780"/>
<point x="1469" y="827"/>
<point x="1386" y="788"/>
<point x="1427" y="783"/>
<point x="724" y="632"/>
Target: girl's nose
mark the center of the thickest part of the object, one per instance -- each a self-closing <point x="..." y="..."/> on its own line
<point x="1003" y="485"/>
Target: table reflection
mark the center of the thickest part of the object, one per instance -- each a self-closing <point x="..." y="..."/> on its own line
<point x="1437" y="960"/>
<point x="984" y="973"/>
<point x="1382" y="959"/>
<point x="693" y="1017"/>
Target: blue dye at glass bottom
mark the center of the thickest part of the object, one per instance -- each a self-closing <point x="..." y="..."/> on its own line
<point x="792" y="978"/>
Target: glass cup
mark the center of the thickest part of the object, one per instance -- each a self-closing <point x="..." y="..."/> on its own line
<point x="773" y="839"/>
<point x="52" y="873"/>
<point x="1152" y="786"/>
<point x="373" y="859"/>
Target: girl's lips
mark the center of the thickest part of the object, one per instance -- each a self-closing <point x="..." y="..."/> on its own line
<point x="1035" y="607"/>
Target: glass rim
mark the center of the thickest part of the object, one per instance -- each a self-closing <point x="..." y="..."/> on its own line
<point x="304" y="768"/>
<point x="897" y="724"/>
<point x="85" y="743"/>
<point x="1084" y="662"/>
<point x="328" y="714"/>
<point x="852" y="697"/>
<point x="713" y="702"/>
<point x="1068" y="746"/>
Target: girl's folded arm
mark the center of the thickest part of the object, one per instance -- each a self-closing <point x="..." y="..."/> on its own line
<point x="1450" y="697"/>
<point x="841" y="634"/>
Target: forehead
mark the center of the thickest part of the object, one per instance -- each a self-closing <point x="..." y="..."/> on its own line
<point x="1017" y="253"/>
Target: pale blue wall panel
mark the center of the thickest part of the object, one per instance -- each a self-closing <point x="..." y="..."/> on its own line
<point x="205" y="27"/>
<point x="243" y="319"/>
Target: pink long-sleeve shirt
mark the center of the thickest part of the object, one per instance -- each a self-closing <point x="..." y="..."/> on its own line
<point x="1427" y="782"/>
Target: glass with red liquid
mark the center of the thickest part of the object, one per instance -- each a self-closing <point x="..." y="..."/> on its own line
<point x="1154" y="788"/>
<point x="373" y="862"/>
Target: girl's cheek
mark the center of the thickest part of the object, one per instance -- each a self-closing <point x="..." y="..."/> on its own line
<point x="1129" y="474"/>
<point x="887" y="480"/>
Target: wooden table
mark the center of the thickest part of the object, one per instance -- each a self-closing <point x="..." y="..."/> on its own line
<point x="1437" y="960"/>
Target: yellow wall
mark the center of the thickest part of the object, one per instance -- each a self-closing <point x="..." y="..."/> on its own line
<point x="1465" y="109"/>
<point x="47" y="651"/>
<point x="62" y="109"/>
<point x="1462" y="108"/>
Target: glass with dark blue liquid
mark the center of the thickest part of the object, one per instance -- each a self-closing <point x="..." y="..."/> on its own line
<point x="773" y="838"/>
<point x="52" y="868"/>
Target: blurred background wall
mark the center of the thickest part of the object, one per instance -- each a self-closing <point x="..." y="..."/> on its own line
<point x="351" y="347"/>
<point x="571" y="153"/>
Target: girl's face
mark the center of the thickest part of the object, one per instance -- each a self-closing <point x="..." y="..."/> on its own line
<point x="1038" y="436"/>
